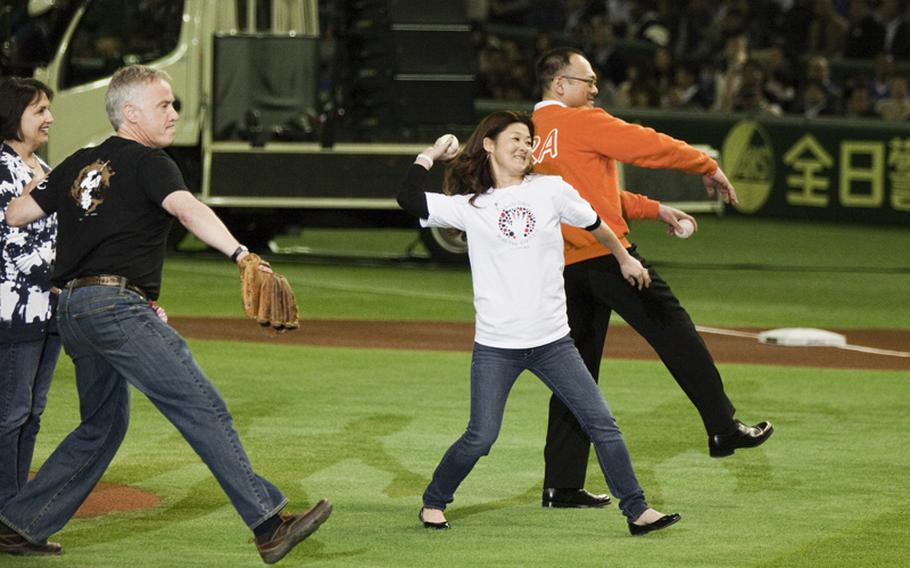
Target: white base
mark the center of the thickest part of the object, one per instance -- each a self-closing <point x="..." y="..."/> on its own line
<point x="802" y="337"/>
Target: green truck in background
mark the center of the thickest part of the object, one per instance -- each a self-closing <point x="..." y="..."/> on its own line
<point x="261" y="93"/>
<point x="252" y="138"/>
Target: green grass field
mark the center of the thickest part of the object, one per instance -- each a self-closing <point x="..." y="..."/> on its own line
<point x="365" y="428"/>
<point x="734" y="271"/>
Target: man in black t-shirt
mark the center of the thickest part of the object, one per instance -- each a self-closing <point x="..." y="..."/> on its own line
<point x="114" y="204"/>
<point x="112" y="197"/>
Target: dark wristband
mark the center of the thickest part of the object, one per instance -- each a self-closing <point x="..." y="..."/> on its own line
<point x="236" y="253"/>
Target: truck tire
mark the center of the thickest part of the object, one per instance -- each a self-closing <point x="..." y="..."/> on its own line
<point x="447" y="246"/>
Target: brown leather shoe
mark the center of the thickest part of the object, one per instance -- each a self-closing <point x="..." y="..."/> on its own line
<point x="292" y="530"/>
<point x="15" y="544"/>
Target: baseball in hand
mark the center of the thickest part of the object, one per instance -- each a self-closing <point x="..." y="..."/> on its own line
<point x="450" y="144"/>
<point x="685" y="230"/>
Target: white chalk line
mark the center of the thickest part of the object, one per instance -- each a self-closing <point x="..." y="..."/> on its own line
<point x="848" y="347"/>
<point x="875" y="351"/>
<point x="729" y="332"/>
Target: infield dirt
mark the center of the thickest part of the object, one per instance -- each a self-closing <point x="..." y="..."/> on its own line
<point x="622" y="341"/>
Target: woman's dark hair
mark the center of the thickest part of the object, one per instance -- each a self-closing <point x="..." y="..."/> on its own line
<point x="16" y="94"/>
<point x="470" y="171"/>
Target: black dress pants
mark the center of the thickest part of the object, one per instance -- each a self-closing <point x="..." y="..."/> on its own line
<point x="595" y="289"/>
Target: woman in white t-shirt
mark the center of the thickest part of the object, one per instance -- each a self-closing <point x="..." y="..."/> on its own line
<point x="512" y="221"/>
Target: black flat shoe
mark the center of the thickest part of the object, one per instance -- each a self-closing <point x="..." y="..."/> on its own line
<point x="573" y="499"/>
<point x="661" y="523"/>
<point x="721" y="445"/>
<point x="428" y="525"/>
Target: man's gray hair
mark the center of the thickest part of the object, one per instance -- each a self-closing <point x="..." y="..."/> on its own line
<point x="125" y="84"/>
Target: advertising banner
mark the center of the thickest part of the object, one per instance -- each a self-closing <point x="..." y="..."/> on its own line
<point x="826" y="169"/>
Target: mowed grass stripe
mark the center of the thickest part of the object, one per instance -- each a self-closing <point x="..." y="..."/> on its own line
<point x="785" y="296"/>
<point x="365" y="428"/>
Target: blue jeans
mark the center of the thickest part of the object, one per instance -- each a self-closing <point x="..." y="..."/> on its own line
<point x="26" y="370"/>
<point x="559" y="366"/>
<point x="115" y="339"/>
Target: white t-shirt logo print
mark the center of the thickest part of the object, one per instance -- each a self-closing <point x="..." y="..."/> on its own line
<point x="517" y="223"/>
<point x="516" y="248"/>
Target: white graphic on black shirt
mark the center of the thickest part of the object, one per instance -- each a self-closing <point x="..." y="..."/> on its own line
<point x="89" y="187"/>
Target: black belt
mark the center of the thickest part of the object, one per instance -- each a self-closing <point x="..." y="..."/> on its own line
<point x="106" y="280"/>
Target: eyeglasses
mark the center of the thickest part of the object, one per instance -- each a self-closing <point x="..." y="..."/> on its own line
<point x="591" y="82"/>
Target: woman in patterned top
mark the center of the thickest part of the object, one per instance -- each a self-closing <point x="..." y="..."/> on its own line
<point x="29" y="344"/>
<point x="512" y="220"/>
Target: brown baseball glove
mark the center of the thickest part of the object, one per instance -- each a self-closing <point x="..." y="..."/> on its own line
<point x="267" y="295"/>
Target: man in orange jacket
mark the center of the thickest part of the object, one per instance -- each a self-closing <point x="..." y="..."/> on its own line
<point x="582" y="144"/>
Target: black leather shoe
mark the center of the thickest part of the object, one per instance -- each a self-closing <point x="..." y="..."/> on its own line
<point x="574" y="499"/>
<point x="721" y="445"/>
<point x="661" y="523"/>
<point x="428" y="525"/>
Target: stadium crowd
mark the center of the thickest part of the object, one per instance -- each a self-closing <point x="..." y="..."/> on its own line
<point x="814" y="58"/>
